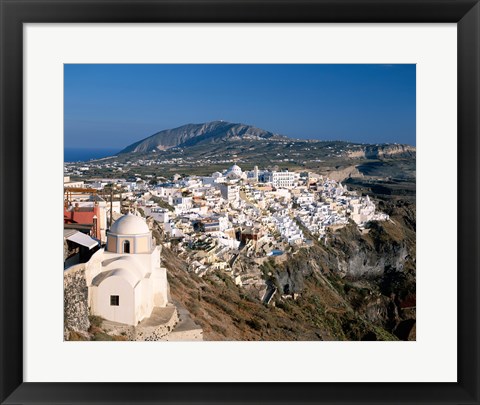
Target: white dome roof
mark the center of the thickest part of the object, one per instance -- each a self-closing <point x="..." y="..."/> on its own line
<point x="129" y="225"/>
<point x="235" y="169"/>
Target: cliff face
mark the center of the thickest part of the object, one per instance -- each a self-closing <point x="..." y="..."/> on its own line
<point x="372" y="273"/>
<point x="340" y="174"/>
<point x="382" y="151"/>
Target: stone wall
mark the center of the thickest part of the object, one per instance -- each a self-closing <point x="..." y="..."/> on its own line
<point x="140" y="332"/>
<point x="155" y="333"/>
<point x="75" y="300"/>
<point x="185" y="335"/>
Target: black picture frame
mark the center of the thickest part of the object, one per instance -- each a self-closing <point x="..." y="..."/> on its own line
<point x="465" y="13"/>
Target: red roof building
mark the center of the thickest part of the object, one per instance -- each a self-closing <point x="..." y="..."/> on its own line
<point x="83" y="216"/>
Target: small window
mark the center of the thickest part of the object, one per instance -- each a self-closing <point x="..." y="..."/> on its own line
<point x="126" y="247"/>
<point x="114" y="300"/>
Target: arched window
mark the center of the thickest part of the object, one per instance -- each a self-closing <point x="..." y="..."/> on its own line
<point x="126" y="246"/>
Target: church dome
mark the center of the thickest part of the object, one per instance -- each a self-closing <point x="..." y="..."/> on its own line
<point x="129" y="225"/>
<point x="235" y="169"/>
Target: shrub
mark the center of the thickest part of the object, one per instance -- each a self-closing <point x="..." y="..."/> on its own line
<point x="76" y="337"/>
<point x="95" y="320"/>
<point x="219" y="329"/>
<point x="119" y="338"/>
<point x="102" y="336"/>
<point x="220" y="304"/>
<point x="254" y="324"/>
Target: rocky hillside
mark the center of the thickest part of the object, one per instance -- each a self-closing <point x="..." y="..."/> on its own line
<point x="357" y="286"/>
<point x="221" y="134"/>
<point x="382" y="151"/>
<point x="196" y="134"/>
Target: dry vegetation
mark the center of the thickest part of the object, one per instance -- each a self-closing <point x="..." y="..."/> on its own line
<point x="330" y="306"/>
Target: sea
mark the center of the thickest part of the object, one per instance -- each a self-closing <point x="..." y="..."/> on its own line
<point x="85" y="154"/>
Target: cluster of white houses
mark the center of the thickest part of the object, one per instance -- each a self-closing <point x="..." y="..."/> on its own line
<point x="268" y="208"/>
<point x="213" y="219"/>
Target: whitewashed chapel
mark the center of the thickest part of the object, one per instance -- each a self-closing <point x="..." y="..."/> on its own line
<point x="125" y="281"/>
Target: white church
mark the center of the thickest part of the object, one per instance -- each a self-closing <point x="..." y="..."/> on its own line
<point x="125" y="281"/>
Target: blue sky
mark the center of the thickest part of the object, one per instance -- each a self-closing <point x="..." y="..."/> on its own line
<point x="116" y="105"/>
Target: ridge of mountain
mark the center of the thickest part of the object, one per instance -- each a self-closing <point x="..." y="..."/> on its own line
<point x="196" y="134"/>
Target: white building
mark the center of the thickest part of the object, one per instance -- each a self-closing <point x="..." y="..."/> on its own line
<point x="98" y="185"/>
<point x="72" y="184"/>
<point x="362" y="210"/>
<point x="234" y="172"/>
<point x="208" y="180"/>
<point x="182" y="204"/>
<point x="159" y="214"/>
<point x="305" y="198"/>
<point x="218" y="177"/>
<point x="289" y="230"/>
<point x="125" y="280"/>
<point x="163" y="192"/>
<point x="284" y="179"/>
<point x="229" y="192"/>
<point x="254" y="174"/>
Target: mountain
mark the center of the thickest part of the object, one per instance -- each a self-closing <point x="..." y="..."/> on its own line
<point x="197" y="134"/>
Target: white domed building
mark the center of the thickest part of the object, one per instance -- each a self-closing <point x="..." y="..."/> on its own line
<point x="129" y="234"/>
<point x="235" y="172"/>
<point x="125" y="281"/>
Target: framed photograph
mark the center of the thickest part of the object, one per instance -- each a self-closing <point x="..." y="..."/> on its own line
<point x="247" y="191"/>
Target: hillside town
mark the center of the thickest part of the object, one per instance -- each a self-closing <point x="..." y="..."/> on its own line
<point x="212" y="220"/>
<point x="196" y="215"/>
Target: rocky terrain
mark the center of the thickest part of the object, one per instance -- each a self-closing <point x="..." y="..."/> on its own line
<point x="382" y="151"/>
<point x="195" y="134"/>
<point x="357" y="286"/>
<point x="215" y="143"/>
